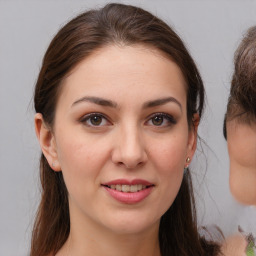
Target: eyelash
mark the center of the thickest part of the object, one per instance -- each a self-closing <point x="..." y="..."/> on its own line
<point x="169" y="118"/>
<point x="87" y="118"/>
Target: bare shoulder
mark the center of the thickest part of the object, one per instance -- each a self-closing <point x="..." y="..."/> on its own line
<point x="234" y="245"/>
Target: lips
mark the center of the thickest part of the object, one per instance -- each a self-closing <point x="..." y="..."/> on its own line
<point x="128" y="192"/>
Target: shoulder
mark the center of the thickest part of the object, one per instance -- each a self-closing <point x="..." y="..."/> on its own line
<point x="234" y="245"/>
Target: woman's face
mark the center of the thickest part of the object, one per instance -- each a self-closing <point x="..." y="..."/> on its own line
<point x="241" y="140"/>
<point x="121" y="138"/>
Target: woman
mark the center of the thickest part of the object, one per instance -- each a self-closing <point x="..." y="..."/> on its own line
<point x="240" y="128"/>
<point x="118" y="102"/>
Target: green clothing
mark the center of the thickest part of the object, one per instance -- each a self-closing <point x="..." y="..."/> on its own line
<point x="250" y="249"/>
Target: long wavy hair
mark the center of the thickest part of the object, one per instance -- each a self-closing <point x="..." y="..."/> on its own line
<point x="83" y="35"/>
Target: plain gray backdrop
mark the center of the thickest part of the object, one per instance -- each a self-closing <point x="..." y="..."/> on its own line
<point x="210" y="29"/>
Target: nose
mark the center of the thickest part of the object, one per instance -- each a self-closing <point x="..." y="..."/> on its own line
<point x="129" y="150"/>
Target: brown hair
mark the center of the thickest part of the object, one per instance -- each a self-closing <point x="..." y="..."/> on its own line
<point x="242" y="99"/>
<point x="126" y="25"/>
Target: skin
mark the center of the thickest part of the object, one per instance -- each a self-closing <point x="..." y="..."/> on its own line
<point x="125" y="145"/>
<point x="234" y="245"/>
<point x="241" y="139"/>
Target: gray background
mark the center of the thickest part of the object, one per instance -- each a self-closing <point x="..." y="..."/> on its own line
<point x="211" y="31"/>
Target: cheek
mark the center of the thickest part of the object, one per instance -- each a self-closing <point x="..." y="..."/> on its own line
<point x="243" y="184"/>
<point x="74" y="155"/>
<point x="242" y="144"/>
<point x="242" y="151"/>
<point x="81" y="158"/>
<point x="169" y="155"/>
<point x="169" y="165"/>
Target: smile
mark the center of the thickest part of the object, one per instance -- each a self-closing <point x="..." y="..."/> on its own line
<point x="128" y="188"/>
<point x="129" y="192"/>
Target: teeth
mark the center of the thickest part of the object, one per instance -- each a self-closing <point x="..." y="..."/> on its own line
<point x="125" y="188"/>
<point x="134" y="188"/>
<point x="119" y="187"/>
<point x="128" y="188"/>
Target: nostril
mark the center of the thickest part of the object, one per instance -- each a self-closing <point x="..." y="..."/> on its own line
<point x="129" y="155"/>
<point x="133" y="166"/>
<point x="126" y="165"/>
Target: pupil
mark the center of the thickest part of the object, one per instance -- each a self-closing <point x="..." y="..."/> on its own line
<point x="96" y="120"/>
<point x="157" y="120"/>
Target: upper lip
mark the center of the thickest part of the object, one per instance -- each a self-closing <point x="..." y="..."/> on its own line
<point x="128" y="182"/>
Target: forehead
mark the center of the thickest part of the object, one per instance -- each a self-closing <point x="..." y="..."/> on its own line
<point x="114" y="69"/>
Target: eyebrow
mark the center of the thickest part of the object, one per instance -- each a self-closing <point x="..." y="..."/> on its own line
<point x="109" y="103"/>
<point x="160" y="102"/>
<point x="96" y="100"/>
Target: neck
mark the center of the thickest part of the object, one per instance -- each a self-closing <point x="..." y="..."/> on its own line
<point x="89" y="239"/>
<point x="125" y="245"/>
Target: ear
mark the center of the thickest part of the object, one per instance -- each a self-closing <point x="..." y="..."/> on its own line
<point x="47" y="142"/>
<point x="192" y="139"/>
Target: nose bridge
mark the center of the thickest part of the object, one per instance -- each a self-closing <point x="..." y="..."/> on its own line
<point x="130" y="150"/>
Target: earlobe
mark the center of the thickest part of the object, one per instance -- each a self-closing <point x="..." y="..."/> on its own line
<point x="47" y="142"/>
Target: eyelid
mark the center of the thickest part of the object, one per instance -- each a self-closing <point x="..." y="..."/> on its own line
<point x="170" y="118"/>
<point x="86" y="117"/>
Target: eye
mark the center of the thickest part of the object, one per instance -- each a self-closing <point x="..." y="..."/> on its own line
<point x="94" y="120"/>
<point x="161" y="119"/>
<point x="157" y="120"/>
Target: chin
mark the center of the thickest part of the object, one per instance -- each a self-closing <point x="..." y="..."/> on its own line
<point x="244" y="194"/>
<point x="132" y="225"/>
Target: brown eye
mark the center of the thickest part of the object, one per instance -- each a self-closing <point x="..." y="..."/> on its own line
<point x="157" y="120"/>
<point x="161" y="120"/>
<point x="95" y="120"/>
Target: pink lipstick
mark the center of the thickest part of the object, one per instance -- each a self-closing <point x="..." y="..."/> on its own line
<point x="128" y="192"/>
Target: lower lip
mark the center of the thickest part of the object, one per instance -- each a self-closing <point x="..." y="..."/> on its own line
<point x="129" y="198"/>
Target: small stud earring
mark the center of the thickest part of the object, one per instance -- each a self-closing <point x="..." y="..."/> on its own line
<point x="53" y="164"/>
<point x="187" y="162"/>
